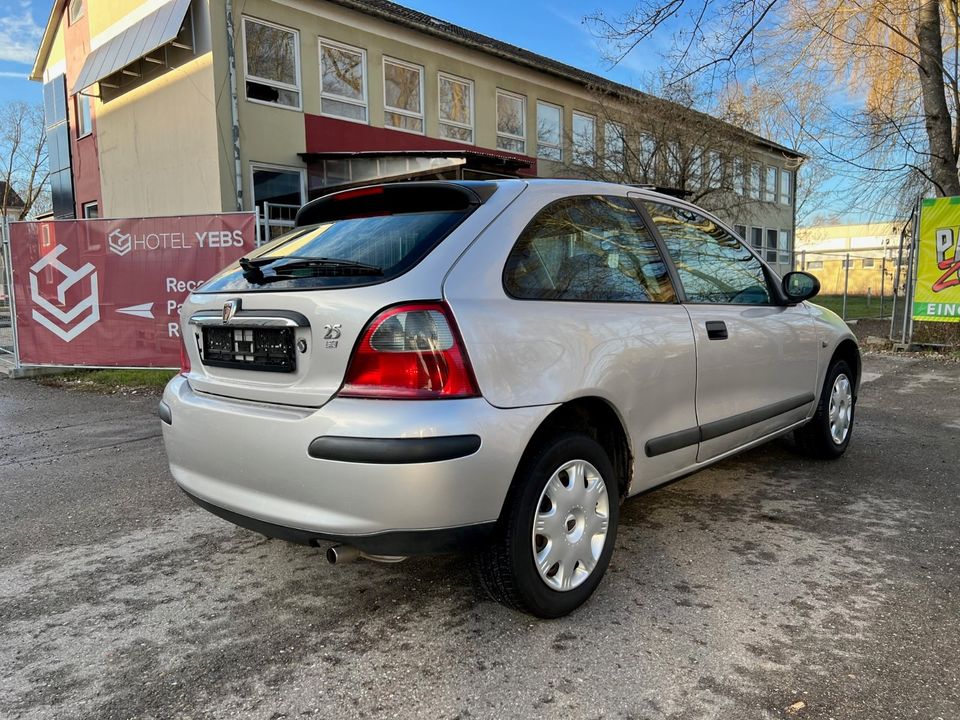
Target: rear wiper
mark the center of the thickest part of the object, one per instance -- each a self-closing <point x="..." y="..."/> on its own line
<point x="253" y="272"/>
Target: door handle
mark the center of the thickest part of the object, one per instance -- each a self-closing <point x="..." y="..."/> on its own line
<point x="716" y="330"/>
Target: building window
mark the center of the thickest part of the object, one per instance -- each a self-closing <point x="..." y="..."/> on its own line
<point x="456" y="108"/>
<point x="76" y="10"/>
<point x="784" y="247"/>
<point x="648" y="157"/>
<point x="613" y="147"/>
<point x="755" y="181"/>
<point x="771" y="245"/>
<point x="673" y="164"/>
<point x="549" y="131"/>
<point x="91" y="210"/>
<point x="786" y="181"/>
<point x="815" y="265"/>
<point x="739" y="177"/>
<point x="714" y="170"/>
<point x="756" y="238"/>
<point x="584" y="139"/>
<point x="770" y="186"/>
<point x="402" y="96"/>
<point x="278" y="193"/>
<point x="271" y="63"/>
<point x="741" y="230"/>
<point x="867" y="262"/>
<point x="511" y="122"/>
<point x="343" y="81"/>
<point x="84" y="124"/>
<point x="695" y="167"/>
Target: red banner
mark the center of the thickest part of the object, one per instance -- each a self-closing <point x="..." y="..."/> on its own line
<point x="108" y="292"/>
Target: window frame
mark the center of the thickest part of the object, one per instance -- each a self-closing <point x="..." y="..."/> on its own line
<point x="672" y="279"/>
<point x="770" y="194"/>
<point x="441" y="76"/>
<point x="253" y="166"/>
<point x="788" y="175"/>
<point x="559" y="145"/>
<point x="755" y="186"/>
<point x="248" y="76"/>
<point x="616" y="130"/>
<point x="85" y="207"/>
<point x="387" y="109"/>
<point x="575" y="155"/>
<point x="71" y="17"/>
<point x="523" y="117"/>
<point x="83" y="130"/>
<point x="364" y="73"/>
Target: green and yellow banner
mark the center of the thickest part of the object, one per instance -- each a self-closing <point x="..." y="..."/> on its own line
<point x="937" y="296"/>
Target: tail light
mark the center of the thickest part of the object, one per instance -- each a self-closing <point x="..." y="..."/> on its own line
<point x="411" y="352"/>
<point x="184" y="357"/>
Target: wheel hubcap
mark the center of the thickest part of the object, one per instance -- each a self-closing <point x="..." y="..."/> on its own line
<point x="570" y="526"/>
<point x="841" y="409"/>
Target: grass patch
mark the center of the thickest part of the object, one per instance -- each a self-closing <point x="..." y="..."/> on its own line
<point x="119" y="381"/>
<point x="857" y="305"/>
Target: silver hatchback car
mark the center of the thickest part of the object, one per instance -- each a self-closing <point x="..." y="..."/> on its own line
<point x="492" y="367"/>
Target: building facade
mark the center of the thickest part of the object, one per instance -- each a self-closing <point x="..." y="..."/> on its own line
<point x="193" y="106"/>
<point x="861" y="258"/>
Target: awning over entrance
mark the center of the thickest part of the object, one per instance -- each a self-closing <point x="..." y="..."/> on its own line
<point x="155" y="30"/>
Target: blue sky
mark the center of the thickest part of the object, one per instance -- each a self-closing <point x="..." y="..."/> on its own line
<point x="549" y="28"/>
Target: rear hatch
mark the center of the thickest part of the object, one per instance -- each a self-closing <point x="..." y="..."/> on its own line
<point x="280" y="325"/>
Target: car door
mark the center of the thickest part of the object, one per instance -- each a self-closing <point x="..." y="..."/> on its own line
<point x="756" y="356"/>
<point x="580" y="305"/>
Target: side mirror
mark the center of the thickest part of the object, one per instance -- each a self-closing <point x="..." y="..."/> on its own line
<point x="800" y="286"/>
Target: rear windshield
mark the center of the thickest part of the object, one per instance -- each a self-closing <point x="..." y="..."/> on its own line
<point x="373" y="243"/>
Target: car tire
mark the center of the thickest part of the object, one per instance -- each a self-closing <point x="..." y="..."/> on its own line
<point x="566" y="488"/>
<point x="827" y="435"/>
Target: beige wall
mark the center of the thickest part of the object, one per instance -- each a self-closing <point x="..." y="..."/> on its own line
<point x="158" y="146"/>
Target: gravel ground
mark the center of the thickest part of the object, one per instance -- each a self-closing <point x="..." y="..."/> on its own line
<point x="768" y="586"/>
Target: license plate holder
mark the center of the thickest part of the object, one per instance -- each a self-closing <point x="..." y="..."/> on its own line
<point x="249" y="348"/>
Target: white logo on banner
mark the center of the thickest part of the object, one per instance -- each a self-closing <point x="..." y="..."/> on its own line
<point x="120" y="242"/>
<point x="61" y="321"/>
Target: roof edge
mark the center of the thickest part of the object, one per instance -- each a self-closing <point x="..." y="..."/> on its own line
<point x="49" y="33"/>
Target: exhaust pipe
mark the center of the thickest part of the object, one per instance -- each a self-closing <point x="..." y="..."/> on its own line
<point x="341" y="554"/>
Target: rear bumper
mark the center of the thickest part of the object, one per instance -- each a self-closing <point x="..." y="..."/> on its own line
<point x="394" y="543"/>
<point x="389" y="477"/>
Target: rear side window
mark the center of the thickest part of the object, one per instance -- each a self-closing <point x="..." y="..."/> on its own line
<point x="714" y="266"/>
<point x="357" y="237"/>
<point x="588" y="248"/>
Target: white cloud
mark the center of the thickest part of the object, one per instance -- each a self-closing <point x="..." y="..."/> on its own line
<point x="19" y="34"/>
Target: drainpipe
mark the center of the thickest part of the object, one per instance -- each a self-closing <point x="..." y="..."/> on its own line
<point x="234" y="108"/>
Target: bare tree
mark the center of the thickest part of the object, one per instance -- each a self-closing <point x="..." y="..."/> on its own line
<point x="23" y="161"/>
<point x="887" y="69"/>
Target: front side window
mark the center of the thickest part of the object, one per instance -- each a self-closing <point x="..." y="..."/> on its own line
<point x="714" y="266"/>
<point x="271" y="63"/>
<point x="343" y="81"/>
<point x="456" y="108"/>
<point x="613" y="147"/>
<point x="402" y="96"/>
<point x="584" y="139"/>
<point x="511" y="122"/>
<point x="549" y="131"/>
<point x="588" y="248"/>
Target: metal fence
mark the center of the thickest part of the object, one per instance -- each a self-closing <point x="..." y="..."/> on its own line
<point x="8" y="350"/>
<point x="856" y="285"/>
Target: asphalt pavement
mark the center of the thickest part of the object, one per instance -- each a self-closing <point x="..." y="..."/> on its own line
<point x="768" y="586"/>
